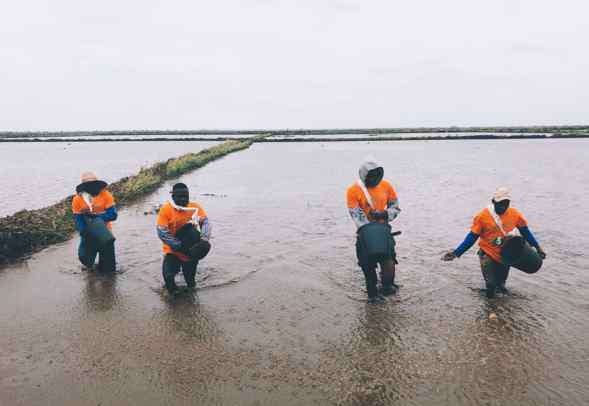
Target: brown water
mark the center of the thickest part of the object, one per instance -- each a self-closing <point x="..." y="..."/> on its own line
<point x="280" y="317"/>
<point x="35" y="175"/>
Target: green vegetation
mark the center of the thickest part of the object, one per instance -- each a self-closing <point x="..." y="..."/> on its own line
<point x="28" y="231"/>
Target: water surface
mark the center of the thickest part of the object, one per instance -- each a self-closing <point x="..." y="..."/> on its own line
<point x="280" y="316"/>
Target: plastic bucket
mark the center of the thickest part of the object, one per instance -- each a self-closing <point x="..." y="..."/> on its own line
<point x="98" y="232"/>
<point x="188" y="235"/>
<point x="516" y="252"/>
<point x="375" y="239"/>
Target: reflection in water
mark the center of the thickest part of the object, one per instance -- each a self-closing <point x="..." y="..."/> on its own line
<point x="101" y="291"/>
<point x="299" y="327"/>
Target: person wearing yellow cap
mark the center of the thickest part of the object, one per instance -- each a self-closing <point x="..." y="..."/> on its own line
<point x="94" y="204"/>
<point x="492" y="225"/>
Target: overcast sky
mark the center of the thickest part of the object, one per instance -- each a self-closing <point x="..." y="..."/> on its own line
<point x="146" y="64"/>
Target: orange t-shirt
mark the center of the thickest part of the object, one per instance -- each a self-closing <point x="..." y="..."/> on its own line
<point x="172" y="220"/>
<point x="484" y="225"/>
<point x="381" y="195"/>
<point x="100" y="203"/>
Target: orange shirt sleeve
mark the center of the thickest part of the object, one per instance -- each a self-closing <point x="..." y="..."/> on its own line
<point x="392" y="192"/>
<point x="352" y="198"/>
<point x="109" y="200"/>
<point x="78" y="204"/>
<point x="163" y="217"/>
<point x="521" y="220"/>
<point x="477" y="225"/>
<point x="201" y="212"/>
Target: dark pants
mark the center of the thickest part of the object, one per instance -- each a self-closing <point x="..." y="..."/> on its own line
<point x="172" y="265"/>
<point x="369" y="265"/>
<point x="494" y="273"/>
<point x="87" y="252"/>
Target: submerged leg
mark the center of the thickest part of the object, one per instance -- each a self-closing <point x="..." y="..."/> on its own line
<point x="371" y="281"/>
<point x="87" y="253"/>
<point x="387" y="277"/>
<point x="502" y="275"/>
<point x="107" y="260"/>
<point x="170" y="267"/>
<point x="189" y="272"/>
<point x="490" y="270"/>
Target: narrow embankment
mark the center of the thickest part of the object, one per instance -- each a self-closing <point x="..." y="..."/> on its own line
<point x="29" y="231"/>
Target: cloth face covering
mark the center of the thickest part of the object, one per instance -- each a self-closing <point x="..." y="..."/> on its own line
<point x="501" y="207"/>
<point x="94" y="188"/>
<point x="374" y="177"/>
<point x="181" y="198"/>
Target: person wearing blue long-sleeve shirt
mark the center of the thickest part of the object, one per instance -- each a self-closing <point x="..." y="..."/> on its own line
<point x="491" y="226"/>
<point x="93" y="200"/>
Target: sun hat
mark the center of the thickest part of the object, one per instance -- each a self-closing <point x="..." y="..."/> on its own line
<point x="89" y="179"/>
<point x="502" y="193"/>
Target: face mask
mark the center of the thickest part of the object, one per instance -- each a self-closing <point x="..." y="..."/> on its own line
<point x="94" y="188"/>
<point x="181" y="199"/>
<point x="501" y="207"/>
<point x="374" y="177"/>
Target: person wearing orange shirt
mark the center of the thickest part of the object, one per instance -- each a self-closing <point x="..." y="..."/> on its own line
<point x="178" y="218"/>
<point x="92" y="199"/>
<point x="492" y="225"/>
<point x="372" y="199"/>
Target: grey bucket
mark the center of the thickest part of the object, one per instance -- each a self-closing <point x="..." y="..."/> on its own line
<point x="375" y="239"/>
<point x="516" y="252"/>
<point x="98" y="232"/>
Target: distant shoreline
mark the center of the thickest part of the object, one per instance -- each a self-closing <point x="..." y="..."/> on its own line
<point x="294" y="138"/>
<point x="577" y="130"/>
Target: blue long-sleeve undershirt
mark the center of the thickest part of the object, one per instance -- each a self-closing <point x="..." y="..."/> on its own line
<point x="468" y="242"/>
<point x="527" y="234"/>
<point x="110" y="214"/>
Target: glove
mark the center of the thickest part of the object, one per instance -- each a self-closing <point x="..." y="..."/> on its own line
<point x="449" y="256"/>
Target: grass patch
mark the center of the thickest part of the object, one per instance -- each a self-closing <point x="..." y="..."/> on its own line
<point x="29" y="231"/>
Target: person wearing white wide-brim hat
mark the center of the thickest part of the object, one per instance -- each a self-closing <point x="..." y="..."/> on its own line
<point x="492" y="225"/>
<point x="92" y="199"/>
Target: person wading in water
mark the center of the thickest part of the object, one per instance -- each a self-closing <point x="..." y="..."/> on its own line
<point x="493" y="224"/>
<point x="92" y="201"/>
<point x="184" y="228"/>
<point x="372" y="199"/>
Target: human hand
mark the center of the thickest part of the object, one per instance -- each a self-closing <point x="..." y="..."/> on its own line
<point x="541" y="252"/>
<point x="379" y="215"/>
<point x="449" y="256"/>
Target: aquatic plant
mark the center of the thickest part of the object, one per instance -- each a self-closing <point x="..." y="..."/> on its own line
<point x="28" y="231"/>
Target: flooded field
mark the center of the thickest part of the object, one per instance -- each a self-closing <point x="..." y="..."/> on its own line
<point x="280" y="316"/>
<point x="35" y="175"/>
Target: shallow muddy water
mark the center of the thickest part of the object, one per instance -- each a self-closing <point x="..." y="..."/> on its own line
<point x="35" y="175"/>
<point x="280" y="317"/>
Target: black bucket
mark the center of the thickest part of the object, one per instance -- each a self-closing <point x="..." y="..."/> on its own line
<point x="375" y="239"/>
<point x="188" y="235"/>
<point x="516" y="252"/>
<point x="190" y="238"/>
<point x="98" y="232"/>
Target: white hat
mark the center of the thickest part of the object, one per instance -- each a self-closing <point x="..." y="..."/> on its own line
<point x="502" y="193"/>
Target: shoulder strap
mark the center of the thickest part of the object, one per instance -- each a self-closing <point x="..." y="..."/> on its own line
<point x="365" y="193"/>
<point x="88" y="200"/>
<point x="498" y="221"/>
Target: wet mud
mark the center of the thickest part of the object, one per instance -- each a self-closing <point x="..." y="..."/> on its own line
<point x="279" y="315"/>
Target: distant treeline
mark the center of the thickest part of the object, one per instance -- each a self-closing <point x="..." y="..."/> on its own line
<point x="579" y="129"/>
